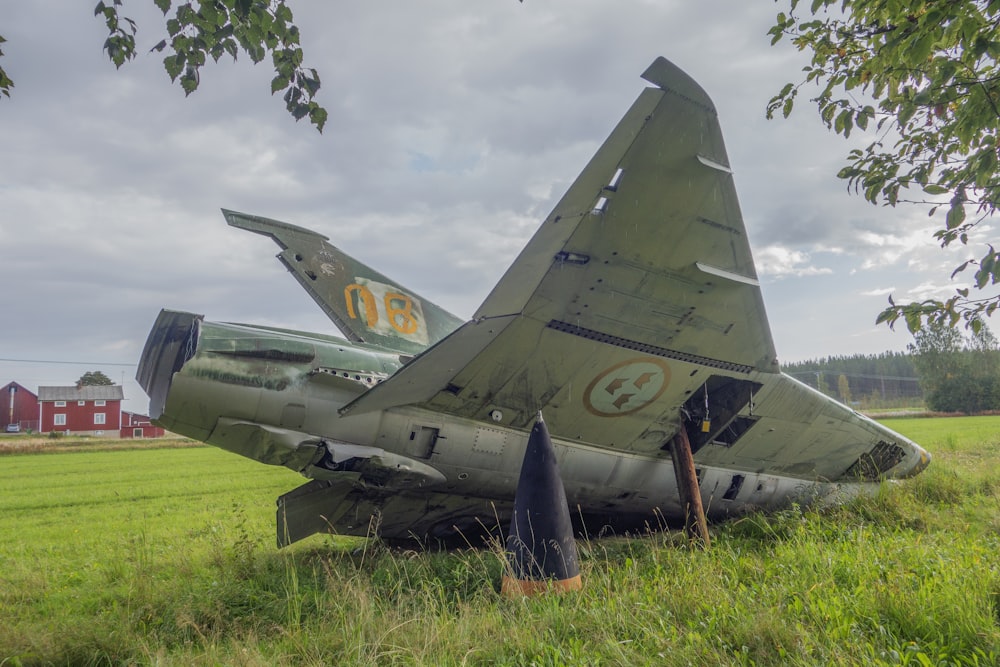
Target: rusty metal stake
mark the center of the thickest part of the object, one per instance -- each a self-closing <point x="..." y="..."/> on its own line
<point x="695" y="524"/>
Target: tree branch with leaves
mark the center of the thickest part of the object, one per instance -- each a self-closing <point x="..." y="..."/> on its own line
<point x="923" y="79"/>
<point x="206" y="29"/>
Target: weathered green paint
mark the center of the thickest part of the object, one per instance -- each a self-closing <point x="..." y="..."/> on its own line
<point x="355" y="297"/>
<point x="632" y="316"/>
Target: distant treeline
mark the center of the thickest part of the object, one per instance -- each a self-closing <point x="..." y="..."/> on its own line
<point x="943" y="369"/>
<point x="881" y="380"/>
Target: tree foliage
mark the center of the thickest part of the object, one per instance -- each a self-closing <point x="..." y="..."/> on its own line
<point x="957" y="374"/>
<point x="5" y="83"/>
<point x="922" y="77"/>
<point x="94" y="379"/>
<point x="206" y="29"/>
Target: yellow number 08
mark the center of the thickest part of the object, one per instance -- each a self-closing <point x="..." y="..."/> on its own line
<point x="400" y="316"/>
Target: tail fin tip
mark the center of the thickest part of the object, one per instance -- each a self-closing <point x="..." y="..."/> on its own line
<point x="266" y="226"/>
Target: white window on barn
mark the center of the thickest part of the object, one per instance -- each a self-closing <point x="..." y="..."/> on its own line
<point x="98" y="417"/>
<point x="98" y="432"/>
<point x="59" y="419"/>
<point x="81" y="402"/>
<point x="60" y="404"/>
<point x="100" y="403"/>
<point x="137" y="433"/>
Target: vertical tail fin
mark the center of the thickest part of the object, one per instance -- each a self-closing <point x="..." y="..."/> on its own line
<point x="366" y="306"/>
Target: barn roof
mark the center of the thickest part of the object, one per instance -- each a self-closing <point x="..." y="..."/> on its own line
<point x="20" y="387"/>
<point x="112" y="392"/>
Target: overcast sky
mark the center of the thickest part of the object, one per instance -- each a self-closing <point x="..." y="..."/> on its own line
<point x="453" y="130"/>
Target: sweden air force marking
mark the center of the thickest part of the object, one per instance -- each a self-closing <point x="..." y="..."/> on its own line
<point x="626" y="387"/>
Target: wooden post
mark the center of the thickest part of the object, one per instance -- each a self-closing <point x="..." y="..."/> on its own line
<point x="695" y="524"/>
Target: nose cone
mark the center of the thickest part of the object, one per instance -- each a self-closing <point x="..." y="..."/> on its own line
<point x="923" y="460"/>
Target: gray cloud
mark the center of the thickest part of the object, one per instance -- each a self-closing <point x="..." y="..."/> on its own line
<point x="452" y="132"/>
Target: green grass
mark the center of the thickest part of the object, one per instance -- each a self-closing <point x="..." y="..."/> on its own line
<point x="166" y="557"/>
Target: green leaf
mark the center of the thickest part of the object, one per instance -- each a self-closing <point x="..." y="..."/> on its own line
<point x="173" y="65"/>
<point x="904" y="114"/>
<point x="961" y="267"/>
<point x="921" y="47"/>
<point x="208" y="13"/>
<point x="310" y="84"/>
<point x="956" y="215"/>
<point x="318" y="117"/>
<point x="888" y="315"/>
<point x="827" y="114"/>
<point x="786" y="108"/>
<point x="5" y="82"/>
<point x="861" y="120"/>
<point x="189" y="82"/>
<point x="982" y="278"/>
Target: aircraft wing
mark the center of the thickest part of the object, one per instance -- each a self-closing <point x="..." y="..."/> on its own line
<point x="639" y="280"/>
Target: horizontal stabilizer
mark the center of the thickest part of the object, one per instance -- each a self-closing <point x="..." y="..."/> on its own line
<point x="342" y="508"/>
<point x="312" y="508"/>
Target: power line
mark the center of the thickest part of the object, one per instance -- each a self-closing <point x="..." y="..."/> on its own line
<point x="857" y="375"/>
<point x="56" y="361"/>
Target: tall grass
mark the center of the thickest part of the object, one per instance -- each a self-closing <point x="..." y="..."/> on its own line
<point x="167" y="558"/>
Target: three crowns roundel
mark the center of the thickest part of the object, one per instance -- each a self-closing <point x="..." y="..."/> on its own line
<point x="626" y="387"/>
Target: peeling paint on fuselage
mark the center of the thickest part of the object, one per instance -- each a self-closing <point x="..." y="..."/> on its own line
<point x="216" y="390"/>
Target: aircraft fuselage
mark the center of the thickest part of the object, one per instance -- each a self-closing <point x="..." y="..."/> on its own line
<point x="632" y="319"/>
<point x="275" y="395"/>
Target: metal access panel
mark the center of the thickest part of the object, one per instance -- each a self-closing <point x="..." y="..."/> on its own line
<point x="421" y="441"/>
<point x="712" y="412"/>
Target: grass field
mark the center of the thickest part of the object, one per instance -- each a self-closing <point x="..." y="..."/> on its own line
<point x="165" y="556"/>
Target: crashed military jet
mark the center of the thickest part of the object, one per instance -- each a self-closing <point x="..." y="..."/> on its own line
<point x="633" y="312"/>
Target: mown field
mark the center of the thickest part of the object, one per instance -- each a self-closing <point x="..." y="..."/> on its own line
<point x="166" y="556"/>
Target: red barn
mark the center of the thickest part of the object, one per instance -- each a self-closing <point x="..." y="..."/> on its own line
<point x="20" y="408"/>
<point x="135" y="425"/>
<point x="95" y="410"/>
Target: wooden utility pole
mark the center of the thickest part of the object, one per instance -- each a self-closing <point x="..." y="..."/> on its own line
<point x="695" y="524"/>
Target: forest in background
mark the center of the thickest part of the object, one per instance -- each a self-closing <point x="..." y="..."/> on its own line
<point x="943" y="370"/>
<point x="864" y="381"/>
